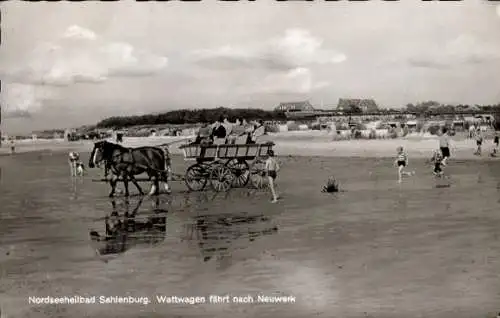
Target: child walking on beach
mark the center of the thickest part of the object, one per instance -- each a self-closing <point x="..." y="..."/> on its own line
<point x="444" y="145"/>
<point x="437" y="159"/>
<point x="401" y="162"/>
<point x="272" y="169"/>
<point x="12" y="147"/>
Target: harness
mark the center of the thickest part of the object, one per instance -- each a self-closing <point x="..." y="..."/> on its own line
<point x="132" y="162"/>
<point x="121" y="160"/>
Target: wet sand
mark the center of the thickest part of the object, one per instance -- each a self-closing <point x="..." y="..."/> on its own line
<point x="379" y="249"/>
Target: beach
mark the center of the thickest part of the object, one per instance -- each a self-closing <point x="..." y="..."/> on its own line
<point x="423" y="248"/>
<point x="378" y="249"/>
<point x="300" y="143"/>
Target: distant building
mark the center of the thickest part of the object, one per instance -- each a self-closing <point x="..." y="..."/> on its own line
<point x="295" y="107"/>
<point x="366" y="105"/>
<point x="467" y="108"/>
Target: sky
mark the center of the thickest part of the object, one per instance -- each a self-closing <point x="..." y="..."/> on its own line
<point x="68" y="64"/>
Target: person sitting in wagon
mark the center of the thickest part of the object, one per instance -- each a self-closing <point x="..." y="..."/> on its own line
<point x="237" y="132"/>
<point x="259" y="130"/>
<point x="204" y="135"/>
<point x="219" y="132"/>
<point x="203" y="138"/>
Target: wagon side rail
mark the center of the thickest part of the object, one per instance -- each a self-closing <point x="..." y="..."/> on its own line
<point x="214" y="152"/>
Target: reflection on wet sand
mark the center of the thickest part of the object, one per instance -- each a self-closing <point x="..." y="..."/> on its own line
<point x="218" y="235"/>
<point x="198" y="202"/>
<point x="124" y="229"/>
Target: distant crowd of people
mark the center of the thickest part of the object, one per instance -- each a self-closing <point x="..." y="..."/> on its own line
<point x="225" y="132"/>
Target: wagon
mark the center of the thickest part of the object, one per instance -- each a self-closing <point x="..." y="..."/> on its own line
<point x="224" y="166"/>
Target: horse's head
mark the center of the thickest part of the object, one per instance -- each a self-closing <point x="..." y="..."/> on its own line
<point x="99" y="152"/>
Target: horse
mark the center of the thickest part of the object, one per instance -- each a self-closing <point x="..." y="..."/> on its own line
<point x="129" y="162"/>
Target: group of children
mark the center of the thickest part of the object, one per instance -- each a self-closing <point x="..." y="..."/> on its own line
<point x="439" y="157"/>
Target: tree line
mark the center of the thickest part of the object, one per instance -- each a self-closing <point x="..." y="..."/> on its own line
<point x="191" y="116"/>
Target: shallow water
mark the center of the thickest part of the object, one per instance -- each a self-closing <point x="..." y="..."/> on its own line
<point x="378" y="249"/>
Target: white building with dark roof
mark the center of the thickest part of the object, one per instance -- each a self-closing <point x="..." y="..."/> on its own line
<point x="295" y="106"/>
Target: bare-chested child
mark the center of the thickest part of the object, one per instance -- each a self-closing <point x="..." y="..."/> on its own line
<point x="479" y="142"/>
<point x="437" y="159"/>
<point x="401" y="162"/>
<point x="495" y="145"/>
<point x="272" y="168"/>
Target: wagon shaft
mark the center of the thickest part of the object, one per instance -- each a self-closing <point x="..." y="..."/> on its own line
<point x="175" y="177"/>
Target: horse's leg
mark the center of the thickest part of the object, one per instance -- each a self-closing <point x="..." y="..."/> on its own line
<point x="106" y="170"/>
<point x="136" y="184"/>
<point x="113" y="183"/>
<point x="155" y="185"/>
<point x="166" y="176"/>
<point x="125" y="184"/>
<point x="150" y="176"/>
<point x="167" y="187"/>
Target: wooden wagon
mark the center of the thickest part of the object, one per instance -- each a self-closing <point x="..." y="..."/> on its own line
<point x="225" y="166"/>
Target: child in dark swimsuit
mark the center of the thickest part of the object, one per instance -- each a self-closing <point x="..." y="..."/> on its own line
<point x="495" y="145"/>
<point x="437" y="159"/>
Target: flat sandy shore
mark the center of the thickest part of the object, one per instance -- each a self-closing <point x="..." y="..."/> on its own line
<point x="314" y="143"/>
<point x="379" y="249"/>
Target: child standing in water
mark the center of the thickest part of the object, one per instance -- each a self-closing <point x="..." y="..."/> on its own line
<point x="437" y="159"/>
<point x="479" y="142"/>
<point x="12" y="146"/>
<point x="401" y="162"/>
<point x="272" y="169"/>
<point x="444" y="145"/>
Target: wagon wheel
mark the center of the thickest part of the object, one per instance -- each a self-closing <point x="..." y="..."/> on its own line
<point x="196" y="177"/>
<point x="257" y="173"/>
<point x="221" y="178"/>
<point x="240" y="170"/>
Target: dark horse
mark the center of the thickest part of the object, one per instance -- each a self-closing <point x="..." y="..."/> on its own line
<point x="129" y="162"/>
